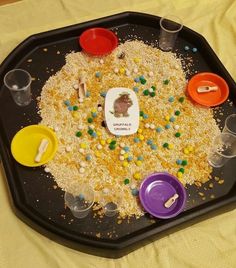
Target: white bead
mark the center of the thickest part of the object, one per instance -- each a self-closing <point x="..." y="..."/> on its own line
<point x="99" y="109"/>
<point x="81" y="170"/>
<point x="81" y="100"/>
<point x="122" y="145"/>
<point x="68" y="149"/>
<point x="152" y="126"/>
<point x="80" y="127"/>
<point x="135" y="70"/>
<point x="99" y="146"/>
<point x="91" y="126"/>
<point x="47" y="169"/>
<point x="105" y="191"/>
<point x="122" y="152"/>
<point x="150" y="90"/>
<point x="122" y="158"/>
<point x="81" y="150"/>
<point x="147" y="125"/>
<point x="56" y="129"/>
<point x="15" y="87"/>
<point x="76" y="86"/>
<point x="127" y="72"/>
<point x="82" y="164"/>
<point x="176" y="127"/>
<point x="101" y="61"/>
<point x="132" y="186"/>
<point x="116" y="70"/>
<point x="150" y="74"/>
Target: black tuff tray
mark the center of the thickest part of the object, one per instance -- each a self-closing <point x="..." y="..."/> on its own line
<point x="35" y="198"/>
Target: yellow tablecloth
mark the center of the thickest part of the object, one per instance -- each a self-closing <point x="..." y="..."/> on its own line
<point x="209" y="243"/>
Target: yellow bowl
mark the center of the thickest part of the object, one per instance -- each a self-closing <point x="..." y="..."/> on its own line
<point x="25" y="143"/>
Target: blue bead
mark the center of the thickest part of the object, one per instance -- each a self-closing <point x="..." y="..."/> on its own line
<point x="141" y="77"/>
<point x="130" y="158"/>
<point x="94" y="134"/>
<point x="134" y="192"/>
<point x="178" y="162"/>
<point x="171" y="99"/>
<point x="87" y="94"/>
<point x="186" y="48"/>
<point x="149" y="142"/>
<point x="194" y="49"/>
<point x="167" y="126"/>
<point x="94" y="114"/>
<point x="103" y="94"/>
<point x="145" y="116"/>
<point x="81" y="197"/>
<point x="136" y="79"/>
<point x="126" y="149"/>
<point x="98" y="74"/>
<point x="172" y="119"/>
<point x="140" y="158"/>
<point x="135" y="89"/>
<point x="88" y="157"/>
<point x="153" y="147"/>
<point x="136" y="140"/>
<point x="158" y="129"/>
<point x="70" y="108"/>
<point x="67" y="102"/>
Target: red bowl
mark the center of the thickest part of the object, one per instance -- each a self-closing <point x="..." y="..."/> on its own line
<point x="98" y="41"/>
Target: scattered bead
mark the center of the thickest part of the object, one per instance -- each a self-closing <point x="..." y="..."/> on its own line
<point x="166" y="82"/>
<point x="126" y="181"/>
<point x="152" y="94"/>
<point x="149" y="142"/>
<point x="135" y="89"/>
<point x="186" y="48"/>
<point x="116" y="70"/>
<point x="67" y="102"/>
<point x="94" y="115"/>
<point x="153" y="147"/>
<point x="47" y="169"/>
<point x="136" y="60"/>
<point x="103" y="94"/>
<point x="132" y="186"/>
<point x="147" y="125"/>
<point x="158" y="129"/>
<point x="167" y="126"/>
<point x="56" y="129"/>
<point x="179" y="175"/>
<point x="154" y="88"/>
<point x="165" y="145"/>
<point x="178" y="162"/>
<point x="88" y="94"/>
<point x="122" y="152"/>
<point x="141" y="137"/>
<point x="78" y="134"/>
<point x="81" y="170"/>
<point x="101" y="61"/>
<point x="135" y="70"/>
<point x="186" y="151"/>
<point x="112" y="146"/>
<point x="136" y="140"/>
<point x="70" y="108"/>
<point x="83" y="145"/>
<point x="142" y="80"/>
<point x="130" y="158"/>
<point x="140" y="131"/>
<point x="134" y="192"/>
<point x="190" y="148"/>
<point x="98" y="74"/>
<point x="138" y="163"/>
<point x="184" y="163"/>
<point x="176" y="127"/>
<point x="177" y="134"/>
<point x="122" y="70"/>
<point x="137" y="175"/>
<point x="81" y="100"/>
<point x="181" y="170"/>
<point x="150" y="90"/>
<point x="99" y="146"/>
<point x="88" y="157"/>
<point x="150" y="73"/>
<point x="194" y="49"/>
<point x="136" y="79"/>
<point x="177" y="112"/>
<point x="125" y="164"/>
<point x="181" y="99"/>
<point x="172" y="119"/>
<point x="102" y="142"/>
<point x="105" y="191"/>
<point x="81" y="197"/>
<point x="152" y="126"/>
<point x="170" y="146"/>
<point x="126" y="148"/>
<point x="146" y="92"/>
<point x="82" y="164"/>
<point x="90" y="131"/>
<point x="122" y="145"/>
<point x="75" y="108"/>
<point x="122" y="158"/>
<point x="127" y="72"/>
<point x="167" y="118"/>
<point x="141" y="113"/>
<point x="145" y="116"/>
<point x="81" y="150"/>
<point x="68" y="149"/>
<point x="171" y="99"/>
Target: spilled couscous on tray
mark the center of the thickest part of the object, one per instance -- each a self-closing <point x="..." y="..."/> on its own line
<point x="174" y="135"/>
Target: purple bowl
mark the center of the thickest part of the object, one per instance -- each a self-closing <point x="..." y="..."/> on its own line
<point x="156" y="189"/>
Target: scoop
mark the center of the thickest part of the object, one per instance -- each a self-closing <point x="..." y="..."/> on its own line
<point x="171" y="201"/>
<point x="203" y="89"/>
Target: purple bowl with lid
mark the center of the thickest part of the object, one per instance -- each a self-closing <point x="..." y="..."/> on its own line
<point x="156" y="189"/>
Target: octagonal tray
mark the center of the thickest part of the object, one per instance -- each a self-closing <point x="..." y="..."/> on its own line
<point x="35" y="197"/>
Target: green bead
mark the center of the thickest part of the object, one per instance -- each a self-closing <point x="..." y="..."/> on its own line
<point x="78" y="134"/>
<point x="112" y="146"/>
<point x="184" y="163"/>
<point x="166" y="82"/>
<point x="75" y="108"/>
<point x="113" y="142"/>
<point x="90" y="131"/>
<point x="152" y="94"/>
<point x="141" y="113"/>
<point x="177" y="113"/>
<point x="181" y="99"/>
<point x="90" y="120"/>
<point x="165" y="145"/>
<point x="153" y="87"/>
<point x="181" y="170"/>
<point x="143" y="81"/>
<point x="177" y="134"/>
<point x="126" y="181"/>
<point x="146" y="92"/>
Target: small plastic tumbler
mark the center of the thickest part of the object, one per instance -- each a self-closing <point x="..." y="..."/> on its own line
<point x="81" y="203"/>
<point x="230" y="124"/>
<point x="169" y="28"/>
<point x="18" y="81"/>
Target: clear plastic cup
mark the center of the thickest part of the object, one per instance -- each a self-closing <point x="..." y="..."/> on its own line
<point x="110" y="209"/>
<point x="230" y="124"/>
<point x="18" y="81"/>
<point x="81" y="203"/>
<point x="170" y="26"/>
<point x="223" y="149"/>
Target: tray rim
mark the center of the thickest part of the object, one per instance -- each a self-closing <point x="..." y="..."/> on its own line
<point x="45" y="227"/>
